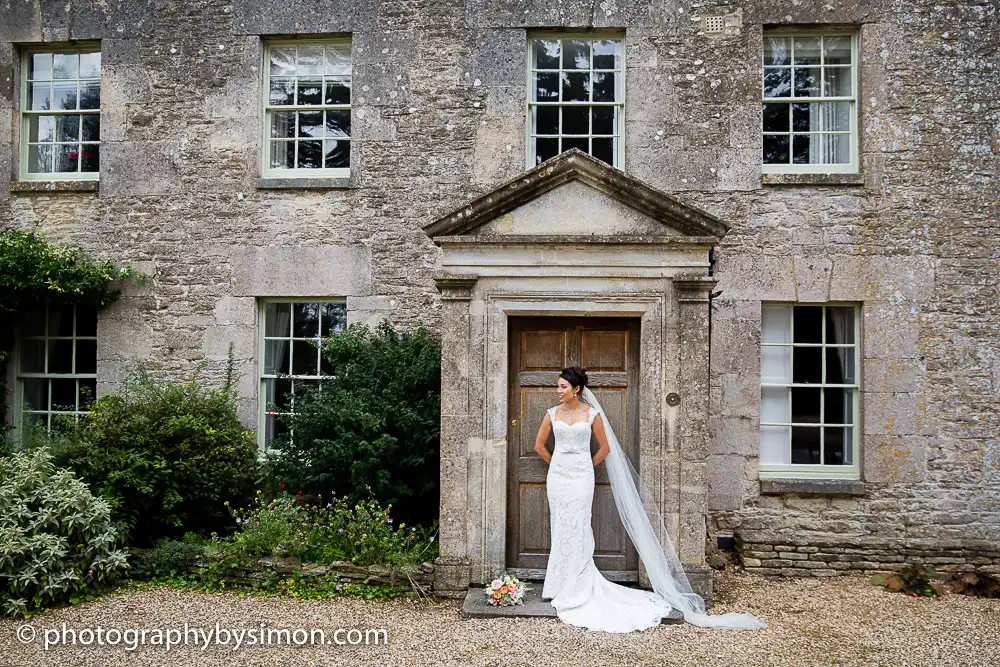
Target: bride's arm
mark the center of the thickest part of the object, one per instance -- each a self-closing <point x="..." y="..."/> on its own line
<point x="543" y="435"/>
<point x="602" y="440"/>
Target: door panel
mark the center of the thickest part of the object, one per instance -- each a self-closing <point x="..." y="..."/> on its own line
<point x="540" y="347"/>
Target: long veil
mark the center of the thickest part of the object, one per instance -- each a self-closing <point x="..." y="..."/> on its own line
<point x="643" y="522"/>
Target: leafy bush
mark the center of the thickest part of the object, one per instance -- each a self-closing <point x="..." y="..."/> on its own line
<point x="168" y="455"/>
<point x="977" y="585"/>
<point x="170" y="558"/>
<point x="912" y="580"/>
<point x="374" y="424"/>
<point x="57" y="541"/>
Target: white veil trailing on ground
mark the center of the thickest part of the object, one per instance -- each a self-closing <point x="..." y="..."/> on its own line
<point x="644" y="523"/>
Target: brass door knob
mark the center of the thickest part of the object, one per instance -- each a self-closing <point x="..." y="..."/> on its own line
<point x="513" y="422"/>
<point x="673" y="399"/>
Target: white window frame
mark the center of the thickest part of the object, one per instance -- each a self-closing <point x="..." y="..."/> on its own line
<point x="265" y="162"/>
<point x="816" y="471"/>
<point x="20" y="377"/>
<point x="262" y="377"/>
<point x="852" y="166"/>
<point x="529" y="133"/>
<point x="25" y="113"/>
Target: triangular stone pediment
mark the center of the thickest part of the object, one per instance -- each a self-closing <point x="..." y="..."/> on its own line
<point x="574" y="194"/>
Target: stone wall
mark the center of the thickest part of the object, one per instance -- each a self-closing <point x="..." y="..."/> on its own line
<point x="439" y="117"/>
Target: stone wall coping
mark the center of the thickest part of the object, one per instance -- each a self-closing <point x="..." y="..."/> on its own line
<point x="55" y="186"/>
<point x="305" y="184"/>
<point x="845" y="487"/>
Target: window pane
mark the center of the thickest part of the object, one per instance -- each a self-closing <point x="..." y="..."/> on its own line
<point x="86" y="356"/>
<point x="838" y="406"/>
<point x="545" y="149"/>
<point x="777" y="51"/>
<point x="576" y="86"/>
<point x="90" y="95"/>
<point x="277" y="319"/>
<point x="837" y="50"/>
<point x="805" y="445"/>
<point x="836" y="148"/>
<point x="836" y="116"/>
<point x="774" y="405"/>
<point x="40" y="159"/>
<point x="338" y="123"/>
<point x="805" y="404"/>
<point x="776" y="324"/>
<point x="305" y="358"/>
<point x="91" y="127"/>
<point x="282" y="91"/>
<point x="310" y="154"/>
<point x="86" y="321"/>
<point x="60" y="356"/>
<point x="806" y="364"/>
<point x="278" y="396"/>
<point x="775" y="149"/>
<point x="338" y="91"/>
<point x="283" y="155"/>
<point x="837" y="82"/>
<point x="546" y="53"/>
<point x="805" y="117"/>
<point x="604" y="150"/>
<point x="603" y="120"/>
<point x="775" y="364"/>
<point x="40" y="95"/>
<point x="283" y="60"/>
<point x="805" y="149"/>
<point x="90" y="158"/>
<point x="61" y="321"/>
<point x="305" y="319"/>
<point x="310" y="124"/>
<point x="41" y="66"/>
<point x="840" y="324"/>
<point x="67" y="158"/>
<point x="310" y="91"/>
<point x="338" y="59"/>
<point x="276" y="354"/>
<point x="32" y="356"/>
<point x="68" y="128"/>
<point x="310" y="60"/>
<point x="576" y="54"/>
<point x="576" y="120"/>
<point x="337" y="154"/>
<point x="36" y="393"/>
<point x="41" y="128"/>
<point x="606" y="54"/>
<point x="777" y="82"/>
<point x="776" y="117"/>
<point x="835" y="445"/>
<point x="774" y="444"/>
<point x="65" y="65"/>
<point x="64" y="95"/>
<point x="807" y="81"/>
<point x="64" y="394"/>
<point x="546" y="120"/>
<point x="604" y="86"/>
<point x="840" y="365"/>
<point x="283" y="124"/>
<point x="547" y="87"/>
<point x="583" y="144"/>
<point x="333" y="318"/>
<point x="88" y="393"/>
<point x="806" y="51"/>
<point x="90" y="65"/>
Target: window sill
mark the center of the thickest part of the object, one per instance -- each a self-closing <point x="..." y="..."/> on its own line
<point x="343" y="183"/>
<point x="812" y="179"/>
<point x="840" y="487"/>
<point x="54" y="186"/>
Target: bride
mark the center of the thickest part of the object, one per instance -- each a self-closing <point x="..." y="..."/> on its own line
<point x="578" y="591"/>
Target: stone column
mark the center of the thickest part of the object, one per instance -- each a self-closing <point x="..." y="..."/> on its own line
<point x="693" y="313"/>
<point x="451" y="568"/>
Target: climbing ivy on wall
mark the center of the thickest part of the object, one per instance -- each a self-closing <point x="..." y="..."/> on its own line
<point x="33" y="272"/>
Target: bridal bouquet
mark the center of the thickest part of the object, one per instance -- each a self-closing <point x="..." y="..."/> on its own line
<point x="506" y="591"/>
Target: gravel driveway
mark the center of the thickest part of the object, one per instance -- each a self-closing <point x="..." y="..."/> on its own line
<point x="835" y="621"/>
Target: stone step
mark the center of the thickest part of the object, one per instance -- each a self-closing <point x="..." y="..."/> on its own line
<point x="476" y="606"/>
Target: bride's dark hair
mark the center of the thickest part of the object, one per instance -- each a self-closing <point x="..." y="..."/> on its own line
<point x="576" y="376"/>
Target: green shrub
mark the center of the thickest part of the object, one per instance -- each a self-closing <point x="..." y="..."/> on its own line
<point x="170" y="558"/>
<point x="168" y="455"/>
<point x="57" y="541"/>
<point x="375" y="423"/>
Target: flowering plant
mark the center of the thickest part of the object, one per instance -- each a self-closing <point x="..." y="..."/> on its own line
<point x="506" y="591"/>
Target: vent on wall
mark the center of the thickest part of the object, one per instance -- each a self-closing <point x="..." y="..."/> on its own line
<point x="713" y="24"/>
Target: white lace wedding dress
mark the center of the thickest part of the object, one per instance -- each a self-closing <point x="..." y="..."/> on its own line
<point x="577" y="589"/>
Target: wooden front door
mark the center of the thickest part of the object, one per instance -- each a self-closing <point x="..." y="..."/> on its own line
<point x="539" y="348"/>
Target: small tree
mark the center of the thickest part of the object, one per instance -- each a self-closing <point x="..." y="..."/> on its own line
<point x="376" y="422"/>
